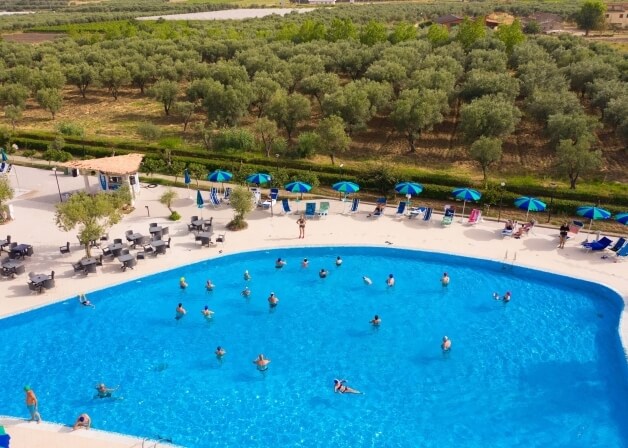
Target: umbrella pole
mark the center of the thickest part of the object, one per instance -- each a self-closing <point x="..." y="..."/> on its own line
<point x="464" y="204"/>
<point x="590" y="225"/>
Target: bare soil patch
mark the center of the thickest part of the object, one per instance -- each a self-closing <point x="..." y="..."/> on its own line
<point x="31" y="38"/>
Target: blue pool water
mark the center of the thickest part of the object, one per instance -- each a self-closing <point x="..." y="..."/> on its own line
<point x="546" y="369"/>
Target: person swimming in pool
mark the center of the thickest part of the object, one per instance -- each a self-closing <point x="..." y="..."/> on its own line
<point x="446" y="344"/>
<point x="220" y="353"/>
<point x="341" y="388"/>
<point x="366" y="280"/>
<point x="180" y="312"/>
<point x="84" y="301"/>
<point x="247" y="276"/>
<point x="246" y="292"/>
<point x="376" y="321"/>
<point x="280" y="263"/>
<point x="182" y="283"/>
<point x="444" y="279"/>
<point x="323" y="273"/>
<point x="305" y="263"/>
<point x="338" y="261"/>
<point x="103" y="391"/>
<point x="207" y="313"/>
<point x="507" y="297"/>
<point x="261" y="362"/>
<point x="209" y="285"/>
<point x="390" y="281"/>
<point x="273" y="301"/>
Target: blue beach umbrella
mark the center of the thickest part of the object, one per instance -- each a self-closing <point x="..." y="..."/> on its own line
<point x="186" y="177"/>
<point x="346" y="187"/>
<point x="530" y="204"/>
<point x="466" y="194"/>
<point x="622" y="218"/>
<point x="199" y="199"/>
<point x="219" y="176"/>
<point x="411" y="188"/>
<point x="592" y="212"/>
<point x="298" y="187"/>
<point x="258" y="178"/>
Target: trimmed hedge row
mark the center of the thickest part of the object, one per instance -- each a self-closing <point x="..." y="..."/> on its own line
<point x="327" y="174"/>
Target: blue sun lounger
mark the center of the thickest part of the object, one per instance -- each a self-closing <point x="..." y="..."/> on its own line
<point x="598" y="245"/>
<point x="285" y="204"/>
<point x="355" y="204"/>
<point x="310" y="210"/>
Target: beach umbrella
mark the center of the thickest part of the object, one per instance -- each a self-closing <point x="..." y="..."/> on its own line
<point x="592" y="212"/>
<point x="258" y="178"/>
<point x="298" y="187"/>
<point x="199" y="200"/>
<point x="5" y="158"/>
<point x="622" y="218"/>
<point x="411" y="188"/>
<point x="346" y="187"/>
<point x="466" y="194"/>
<point x="187" y="179"/>
<point x="219" y="176"/>
<point x="530" y="204"/>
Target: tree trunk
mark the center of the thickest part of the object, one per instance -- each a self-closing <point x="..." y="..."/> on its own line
<point x="456" y="116"/>
<point x="88" y="250"/>
<point x="573" y="178"/>
<point x="485" y="173"/>
<point x="410" y="137"/>
<point x="331" y="156"/>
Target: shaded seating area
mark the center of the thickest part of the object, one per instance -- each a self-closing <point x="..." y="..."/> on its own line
<point x="39" y="282"/>
<point x="12" y="268"/>
<point x="19" y="251"/>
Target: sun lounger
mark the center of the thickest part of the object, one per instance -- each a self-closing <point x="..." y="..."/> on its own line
<point x="213" y="198"/>
<point x="227" y="196"/>
<point x="310" y="210"/>
<point x="323" y="209"/>
<point x="475" y="216"/>
<point x="597" y="246"/>
<point x="618" y="244"/>
<point x="427" y="215"/>
<point x="448" y="218"/>
<point x="622" y="254"/>
<point x="285" y="204"/>
<point x="575" y="226"/>
<point x="401" y="210"/>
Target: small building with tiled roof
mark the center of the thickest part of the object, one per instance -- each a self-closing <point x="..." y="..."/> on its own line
<point x="113" y="172"/>
<point x="449" y="20"/>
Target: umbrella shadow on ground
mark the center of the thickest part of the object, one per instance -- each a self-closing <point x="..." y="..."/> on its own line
<point x="539" y="244"/>
<point x="183" y="202"/>
<point x="481" y="235"/>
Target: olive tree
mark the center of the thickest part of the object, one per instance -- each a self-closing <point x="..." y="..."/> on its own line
<point x="576" y="158"/>
<point x="6" y="194"/>
<point x="242" y="203"/>
<point x="333" y="136"/>
<point x="486" y="151"/>
<point x="92" y="214"/>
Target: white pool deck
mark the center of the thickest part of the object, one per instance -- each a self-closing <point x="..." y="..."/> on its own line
<point x="34" y="224"/>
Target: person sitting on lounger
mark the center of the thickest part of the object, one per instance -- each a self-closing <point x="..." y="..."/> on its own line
<point x="509" y="226"/>
<point x="341" y="388"/>
<point x="379" y="209"/>
<point x="523" y="230"/>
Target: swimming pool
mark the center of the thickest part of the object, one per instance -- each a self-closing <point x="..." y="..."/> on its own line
<point x="546" y="369"/>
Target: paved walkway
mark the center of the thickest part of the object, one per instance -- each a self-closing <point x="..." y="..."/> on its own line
<point x="34" y="224"/>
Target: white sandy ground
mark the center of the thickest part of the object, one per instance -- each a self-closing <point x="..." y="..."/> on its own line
<point x="34" y="224"/>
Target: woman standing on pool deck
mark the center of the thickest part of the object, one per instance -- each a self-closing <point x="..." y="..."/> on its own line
<point x="301" y="223"/>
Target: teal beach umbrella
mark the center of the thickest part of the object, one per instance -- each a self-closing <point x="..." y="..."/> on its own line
<point x="622" y="218"/>
<point x="530" y="204"/>
<point x="298" y="187"/>
<point x="593" y="213"/>
<point x="258" y="178"/>
<point x="466" y="194"/>
<point x="411" y="188"/>
<point x="346" y="187"/>
<point x="219" y="176"/>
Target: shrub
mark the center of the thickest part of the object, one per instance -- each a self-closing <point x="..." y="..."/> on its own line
<point x="28" y="153"/>
<point x="174" y="216"/>
<point x="308" y="144"/>
<point x="148" y="131"/>
<point x="70" y="129"/>
<point x="234" y="138"/>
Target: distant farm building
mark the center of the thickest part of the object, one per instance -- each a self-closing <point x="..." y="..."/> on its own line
<point x="617" y="15"/>
<point x="449" y="20"/>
